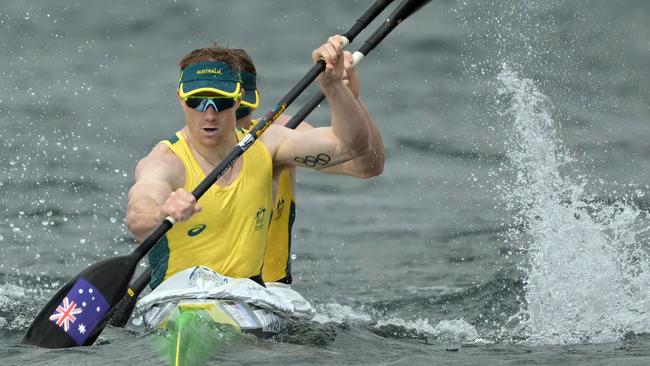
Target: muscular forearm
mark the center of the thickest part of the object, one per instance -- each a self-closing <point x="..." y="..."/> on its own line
<point x="156" y="178"/>
<point x="143" y="216"/>
<point x="348" y="120"/>
<point x="367" y="165"/>
<point x="371" y="164"/>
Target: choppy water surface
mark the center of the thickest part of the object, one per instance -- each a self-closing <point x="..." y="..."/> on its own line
<point x="510" y="225"/>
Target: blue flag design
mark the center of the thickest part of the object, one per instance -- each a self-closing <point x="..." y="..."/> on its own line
<point x="80" y="311"/>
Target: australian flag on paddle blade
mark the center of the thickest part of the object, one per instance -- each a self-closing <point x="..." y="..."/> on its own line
<point x="80" y="311"/>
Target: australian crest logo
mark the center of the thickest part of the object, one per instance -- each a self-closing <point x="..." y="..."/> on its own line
<point x="259" y="218"/>
<point x="198" y="229"/>
<point x="279" y="208"/>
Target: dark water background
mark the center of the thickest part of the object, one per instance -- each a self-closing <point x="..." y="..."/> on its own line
<point x="510" y="224"/>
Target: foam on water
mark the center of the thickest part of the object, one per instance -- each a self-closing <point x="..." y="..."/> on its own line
<point x="457" y="330"/>
<point x="453" y="330"/>
<point x="14" y="315"/>
<point x="587" y="269"/>
<point x="337" y="313"/>
<point x="450" y="331"/>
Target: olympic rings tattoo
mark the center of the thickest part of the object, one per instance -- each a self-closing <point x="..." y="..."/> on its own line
<point x="312" y="161"/>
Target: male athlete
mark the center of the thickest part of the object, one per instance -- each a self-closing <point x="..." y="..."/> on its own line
<point x="277" y="260"/>
<point x="227" y="230"/>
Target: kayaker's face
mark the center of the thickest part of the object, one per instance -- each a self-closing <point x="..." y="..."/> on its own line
<point x="211" y="127"/>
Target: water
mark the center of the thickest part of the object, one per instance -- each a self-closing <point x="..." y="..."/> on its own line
<point x="510" y="225"/>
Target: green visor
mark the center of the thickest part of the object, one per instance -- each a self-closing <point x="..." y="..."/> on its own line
<point x="251" y="98"/>
<point x="209" y="77"/>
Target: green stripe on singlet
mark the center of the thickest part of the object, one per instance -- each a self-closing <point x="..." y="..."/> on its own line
<point x="158" y="261"/>
<point x="172" y="139"/>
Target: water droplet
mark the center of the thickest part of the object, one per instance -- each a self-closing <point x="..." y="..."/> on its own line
<point x="137" y="321"/>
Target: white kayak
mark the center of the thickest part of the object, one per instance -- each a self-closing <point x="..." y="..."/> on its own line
<point x="240" y="303"/>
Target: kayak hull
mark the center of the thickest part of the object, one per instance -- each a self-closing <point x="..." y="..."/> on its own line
<point x="242" y="317"/>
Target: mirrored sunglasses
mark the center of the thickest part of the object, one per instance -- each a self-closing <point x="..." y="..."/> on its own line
<point x="202" y="103"/>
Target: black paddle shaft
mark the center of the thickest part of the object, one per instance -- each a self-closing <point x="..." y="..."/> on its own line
<point x="405" y="9"/>
<point x="51" y="328"/>
<point x="121" y="313"/>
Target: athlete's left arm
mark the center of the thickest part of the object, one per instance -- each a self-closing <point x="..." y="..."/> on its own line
<point x="370" y="164"/>
<point x="365" y="166"/>
<point x="349" y="134"/>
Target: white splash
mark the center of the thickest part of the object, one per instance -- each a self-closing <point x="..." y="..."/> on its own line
<point x="588" y="270"/>
<point x="337" y="313"/>
<point x="458" y="331"/>
<point x="450" y="331"/>
<point x="454" y="330"/>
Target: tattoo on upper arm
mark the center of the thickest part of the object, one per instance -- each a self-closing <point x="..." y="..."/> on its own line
<point x="318" y="161"/>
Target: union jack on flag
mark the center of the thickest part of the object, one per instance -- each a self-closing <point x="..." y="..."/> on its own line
<point x="65" y="314"/>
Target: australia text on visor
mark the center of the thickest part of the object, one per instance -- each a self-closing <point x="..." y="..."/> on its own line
<point x="202" y="103"/>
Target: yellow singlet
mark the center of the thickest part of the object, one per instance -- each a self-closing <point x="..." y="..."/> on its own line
<point x="229" y="234"/>
<point x="277" y="260"/>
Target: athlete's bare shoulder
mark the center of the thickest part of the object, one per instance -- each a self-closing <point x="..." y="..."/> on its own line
<point x="282" y="120"/>
<point x="161" y="163"/>
<point x="284" y="144"/>
<point x="273" y="137"/>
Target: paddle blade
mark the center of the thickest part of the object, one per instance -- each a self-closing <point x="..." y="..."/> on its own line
<point x="77" y="314"/>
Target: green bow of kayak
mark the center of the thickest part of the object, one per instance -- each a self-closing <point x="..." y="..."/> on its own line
<point x="190" y="337"/>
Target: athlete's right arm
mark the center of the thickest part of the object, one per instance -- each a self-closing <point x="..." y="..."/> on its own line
<point x="157" y="193"/>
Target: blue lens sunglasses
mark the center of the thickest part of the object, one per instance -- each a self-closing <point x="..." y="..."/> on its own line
<point x="202" y="103"/>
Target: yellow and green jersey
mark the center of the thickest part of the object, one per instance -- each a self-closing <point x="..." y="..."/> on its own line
<point x="229" y="234"/>
<point x="277" y="260"/>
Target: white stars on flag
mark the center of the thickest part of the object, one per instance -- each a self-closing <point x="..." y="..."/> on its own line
<point x="82" y="310"/>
